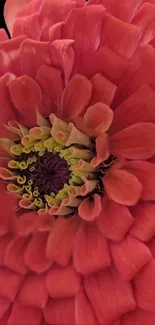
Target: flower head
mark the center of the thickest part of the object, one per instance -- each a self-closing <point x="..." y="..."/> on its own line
<point x="77" y="148"/>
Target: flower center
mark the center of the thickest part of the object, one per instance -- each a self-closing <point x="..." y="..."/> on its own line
<point x="51" y="168"/>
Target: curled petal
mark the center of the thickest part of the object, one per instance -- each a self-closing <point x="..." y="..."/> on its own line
<point x="98" y="119"/>
<point x="102" y="150"/>
<point x="90" y="207"/>
<point x="10" y="11"/>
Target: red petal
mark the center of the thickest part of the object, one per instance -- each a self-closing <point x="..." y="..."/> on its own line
<point x="3" y="35"/>
<point x="7" y="110"/>
<point x="145" y="20"/>
<point x="24" y="315"/>
<point x="114" y="221"/>
<point x="35" y="256"/>
<point x="26" y="224"/>
<point x="122" y="187"/>
<point x="151" y="246"/>
<point x="62" y="56"/>
<point x="138" y="317"/>
<point x="91" y="252"/>
<point x="145" y="172"/>
<point x="7" y="213"/>
<point x="103" y="89"/>
<point x="27" y="97"/>
<point x="60" y="311"/>
<point x="4" y="306"/>
<point x="102" y="150"/>
<point x="144" y="285"/>
<point x="9" y="283"/>
<point x="60" y="242"/>
<point x="55" y="12"/>
<point x="86" y="34"/>
<point x="28" y="26"/>
<point x="120" y="36"/>
<point x="33" y="54"/>
<point x="109" y="295"/>
<point x="33" y="291"/>
<point x="130" y="256"/>
<point x="135" y="142"/>
<point x="137" y="108"/>
<point x="84" y="313"/>
<point x="9" y="55"/>
<point x="51" y="83"/>
<point x="139" y="73"/>
<point x="4" y="242"/>
<point x="144" y="225"/>
<point x="62" y="275"/>
<point x="11" y="10"/>
<point x="123" y="10"/>
<point x="14" y="255"/>
<point x="100" y="122"/>
<point x="76" y="97"/>
<point x="90" y="207"/>
<point x="109" y="63"/>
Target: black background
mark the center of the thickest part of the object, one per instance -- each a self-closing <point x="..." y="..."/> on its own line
<point x="2" y="22"/>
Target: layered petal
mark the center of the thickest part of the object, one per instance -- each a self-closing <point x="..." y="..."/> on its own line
<point x="60" y="311"/>
<point x="91" y="252"/>
<point x="122" y="187"/>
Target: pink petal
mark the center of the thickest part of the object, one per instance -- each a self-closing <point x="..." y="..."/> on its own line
<point x="84" y="313"/>
<point x="4" y="242"/>
<point x="76" y="97"/>
<point x="9" y="55"/>
<point x="27" y="97"/>
<point x="35" y="256"/>
<point x="61" y="239"/>
<point x="137" y="108"/>
<point x="51" y="84"/>
<point x="145" y="172"/>
<point x="145" y="20"/>
<point x="135" y="142"/>
<point x="90" y="207"/>
<point x="61" y="275"/>
<point x="28" y="26"/>
<point x="100" y="122"/>
<point x="9" y="283"/>
<point x="62" y="56"/>
<point x="14" y="255"/>
<point x="144" y="285"/>
<point x="130" y="256"/>
<point x="109" y="295"/>
<point x="138" y="317"/>
<point x="122" y="187"/>
<point x="33" y="291"/>
<point x="103" y="90"/>
<point x="86" y="34"/>
<point x="120" y="36"/>
<point x="123" y="10"/>
<point x="144" y="225"/>
<point x="60" y="311"/>
<point x="114" y="221"/>
<point x="10" y="11"/>
<point x="33" y="54"/>
<point x="7" y="110"/>
<point x="4" y="306"/>
<point x="24" y="315"/>
<point x="91" y="252"/>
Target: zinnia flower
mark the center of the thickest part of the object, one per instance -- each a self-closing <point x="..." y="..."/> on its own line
<point x="77" y="163"/>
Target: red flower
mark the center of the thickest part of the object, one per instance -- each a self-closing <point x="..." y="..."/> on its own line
<point x="77" y="148"/>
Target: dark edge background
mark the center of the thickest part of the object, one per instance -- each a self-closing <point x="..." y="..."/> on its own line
<point x="2" y="22"/>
